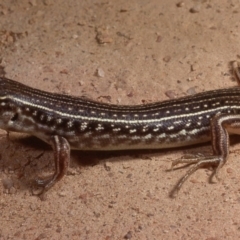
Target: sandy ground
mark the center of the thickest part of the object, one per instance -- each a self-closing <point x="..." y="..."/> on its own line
<point x="123" y="52"/>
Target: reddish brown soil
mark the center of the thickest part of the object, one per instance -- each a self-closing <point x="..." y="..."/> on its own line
<point x="123" y="52"/>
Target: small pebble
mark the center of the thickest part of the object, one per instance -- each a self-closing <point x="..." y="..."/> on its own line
<point x="159" y="39"/>
<point x="167" y="59"/>
<point x="191" y="91"/>
<point x="194" y="180"/>
<point x="59" y="229"/>
<point x="103" y="36"/>
<point x="100" y="72"/>
<point x="33" y="2"/>
<point x="180" y="4"/>
<point x="194" y="67"/>
<point x="128" y="235"/>
<point x="107" y="166"/>
<point x="47" y="2"/>
<point x="62" y="194"/>
<point x="33" y="207"/>
<point x="171" y="94"/>
<point x="123" y="10"/>
<point x="72" y="172"/>
<point x="42" y="236"/>
<point x="195" y="9"/>
<point x="74" y="36"/>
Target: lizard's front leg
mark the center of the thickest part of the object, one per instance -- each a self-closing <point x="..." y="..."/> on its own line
<point x="61" y="150"/>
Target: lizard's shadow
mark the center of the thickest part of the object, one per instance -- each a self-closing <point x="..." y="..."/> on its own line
<point x="86" y="158"/>
<point x="89" y="158"/>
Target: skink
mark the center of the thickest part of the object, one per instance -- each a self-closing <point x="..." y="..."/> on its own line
<point x="67" y="122"/>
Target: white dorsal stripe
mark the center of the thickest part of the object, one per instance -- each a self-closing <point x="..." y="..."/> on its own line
<point x="130" y="121"/>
